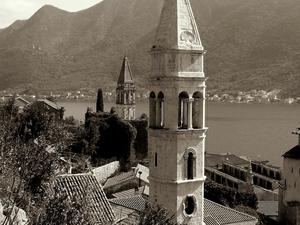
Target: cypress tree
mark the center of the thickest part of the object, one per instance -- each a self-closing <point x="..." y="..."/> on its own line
<point x="99" y="104"/>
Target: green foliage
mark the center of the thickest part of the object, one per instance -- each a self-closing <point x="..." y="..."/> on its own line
<point x="156" y="215"/>
<point x="228" y="196"/>
<point x="30" y="147"/>
<point x="141" y="140"/>
<point x="66" y="211"/>
<point x="106" y="136"/>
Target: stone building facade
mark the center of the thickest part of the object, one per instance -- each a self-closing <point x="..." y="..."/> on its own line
<point x="289" y="195"/>
<point x="177" y="115"/>
<point x="125" y="92"/>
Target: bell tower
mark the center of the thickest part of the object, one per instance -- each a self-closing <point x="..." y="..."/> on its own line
<point x="125" y="92"/>
<point x="177" y="128"/>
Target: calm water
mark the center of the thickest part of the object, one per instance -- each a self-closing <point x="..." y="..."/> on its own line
<point x="255" y="130"/>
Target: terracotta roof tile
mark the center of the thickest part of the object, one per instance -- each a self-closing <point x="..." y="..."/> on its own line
<point x="129" y="193"/>
<point x="135" y="202"/>
<point x="208" y="220"/>
<point x="224" y="215"/>
<point x="78" y="185"/>
<point x="119" y="179"/>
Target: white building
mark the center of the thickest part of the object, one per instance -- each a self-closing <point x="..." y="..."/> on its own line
<point x="289" y="203"/>
<point x="177" y="115"/>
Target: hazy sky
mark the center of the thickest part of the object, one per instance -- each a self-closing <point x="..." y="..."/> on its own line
<point x="11" y="10"/>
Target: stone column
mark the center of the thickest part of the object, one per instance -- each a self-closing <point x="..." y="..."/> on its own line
<point x="190" y="113"/>
<point x="203" y="108"/>
<point x="158" y="113"/>
<point x="185" y="113"/>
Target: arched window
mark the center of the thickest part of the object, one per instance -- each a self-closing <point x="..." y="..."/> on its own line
<point x="190" y="166"/>
<point x="152" y="110"/>
<point x="183" y="108"/>
<point x="198" y="110"/>
<point x="160" y="110"/>
<point x="190" y="163"/>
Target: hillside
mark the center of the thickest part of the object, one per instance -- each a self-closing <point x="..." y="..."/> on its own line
<point x="251" y="45"/>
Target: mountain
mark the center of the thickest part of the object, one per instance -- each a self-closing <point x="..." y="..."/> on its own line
<point x="250" y="45"/>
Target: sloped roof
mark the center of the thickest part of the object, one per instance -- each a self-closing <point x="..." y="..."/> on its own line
<point x="129" y="193"/>
<point x="78" y="185"/>
<point x="214" y="214"/>
<point x="50" y="104"/>
<point x="208" y="220"/>
<point x="136" y="202"/>
<point x="22" y="101"/>
<point x="125" y="76"/>
<point x="121" y="212"/>
<point x="119" y="179"/>
<point x="224" y="215"/>
<point x="293" y="153"/>
<point x="177" y="28"/>
<point x="212" y="159"/>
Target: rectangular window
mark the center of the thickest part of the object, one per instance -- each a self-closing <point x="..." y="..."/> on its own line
<point x="155" y="160"/>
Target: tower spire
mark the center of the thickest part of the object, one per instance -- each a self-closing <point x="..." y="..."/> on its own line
<point x="125" y="73"/>
<point x="177" y="27"/>
<point x="125" y="92"/>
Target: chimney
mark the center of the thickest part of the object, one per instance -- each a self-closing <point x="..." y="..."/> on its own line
<point x="140" y="173"/>
<point x="297" y="132"/>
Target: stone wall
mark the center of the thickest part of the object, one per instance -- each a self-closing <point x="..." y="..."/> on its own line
<point x="104" y="172"/>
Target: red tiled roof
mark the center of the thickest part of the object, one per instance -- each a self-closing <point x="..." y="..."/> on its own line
<point x="214" y="214"/>
<point x="208" y="220"/>
<point x="119" y="179"/>
<point x="135" y="202"/>
<point x="213" y="160"/>
<point x="78" y="185"/>
<point x="129" y="193"/>
<point x="224" y="215"/>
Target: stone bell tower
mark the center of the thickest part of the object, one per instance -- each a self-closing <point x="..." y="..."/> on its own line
<point x="125" y="93"/>
<point x="177" y="115"/>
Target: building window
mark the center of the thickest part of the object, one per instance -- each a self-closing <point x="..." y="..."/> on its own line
<point x="190" y="166"/>
<point x="197" y="110"/>
<point x="189" y="206"/>
<point x="190" y="163"/>
<point x="160" y="110"/>
<point x="292" y="169"/>
<point x="183" y="110"/>
<point x="295" y="184"/>
<point x="155" y="159"/>
<point x="152" y="110"/>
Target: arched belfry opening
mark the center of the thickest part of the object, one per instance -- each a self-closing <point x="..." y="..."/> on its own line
<point x="160" y="110"/>
<point x="183" y="110"/>
<point x="152" y="110"/>
<point x="197" y="110"/>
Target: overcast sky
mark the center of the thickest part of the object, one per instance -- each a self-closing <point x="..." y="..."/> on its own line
<point x="11" y="10"/>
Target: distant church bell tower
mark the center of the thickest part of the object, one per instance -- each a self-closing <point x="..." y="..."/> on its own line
<point x="125" y="92"/>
